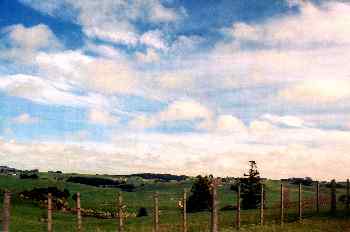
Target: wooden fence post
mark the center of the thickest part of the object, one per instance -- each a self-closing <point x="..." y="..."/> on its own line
<point x="49" y="212"/>
<point x="282" y="204"/>
<point x="238" y="214"/>
<point x="333" y="197"/>
<point x="184" y="212"/>
<point x="300" y="204"/>
<point x="214" y="210"/>
<point x="120" y="212"/>
<point x="262" y="205"/>
<point x="79" y="221"/>
<point x="347" y="194"/>
<point x="6" y="211"/>
<point x="318" y="197"/>
<point x="156" y="213"/>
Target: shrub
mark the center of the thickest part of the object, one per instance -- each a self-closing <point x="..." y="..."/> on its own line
<point x="59" y="198"/>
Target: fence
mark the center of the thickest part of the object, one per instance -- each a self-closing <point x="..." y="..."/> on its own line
<point x="281" y="204"/>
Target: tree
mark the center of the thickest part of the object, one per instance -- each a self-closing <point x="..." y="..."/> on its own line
<point x="201" y="195"/>
<point x="142" y="212"/>
<point x="251" y="188"/>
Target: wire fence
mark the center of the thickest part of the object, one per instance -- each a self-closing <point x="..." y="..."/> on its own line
<point x="167" y="212"/>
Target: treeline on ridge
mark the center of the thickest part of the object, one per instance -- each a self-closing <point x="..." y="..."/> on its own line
<point x="161" y="177"/>
<point x="101" y="182"/>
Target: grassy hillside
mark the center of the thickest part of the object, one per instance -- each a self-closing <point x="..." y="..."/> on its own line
<point x="27" y="216"/>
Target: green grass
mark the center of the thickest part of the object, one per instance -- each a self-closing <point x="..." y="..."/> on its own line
<point x="26" y="216"/>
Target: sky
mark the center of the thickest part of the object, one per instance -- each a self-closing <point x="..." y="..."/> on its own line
<point x="176" y="86"/>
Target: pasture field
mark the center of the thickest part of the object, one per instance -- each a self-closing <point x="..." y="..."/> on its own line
<point x="27" y="215"/>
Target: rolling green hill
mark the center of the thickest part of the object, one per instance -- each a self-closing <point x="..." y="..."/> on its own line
<point x="29" y="216"/>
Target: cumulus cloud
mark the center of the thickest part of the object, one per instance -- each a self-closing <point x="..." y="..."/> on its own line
<point x="300" y="57"/>
<point x="26" y="41"/>
<point x="25" y="119"/>
<point x="315" y="25"/>
<point x="107" y="76"/>
<point x="39" y="36"/>
<point x="110" y="20"/>
<point x="102" y="117"/>
<point x="261" y="126"/>
<point x="150" y="56"/>
<point x="223" y="124"/>
<point x="180" y="110"/>
<point x="229" y="123"/>
<point x="291" y="152"/>
<point x="44" y="91"/>
<point x="184" y="110"/>
<point x="288" y="120"/>
<point x="297" y="60"/>
<point x="317" y="91"/>
<point x="154" y="39"/>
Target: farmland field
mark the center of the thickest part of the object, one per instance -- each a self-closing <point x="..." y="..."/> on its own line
<point x="28" y="216"/>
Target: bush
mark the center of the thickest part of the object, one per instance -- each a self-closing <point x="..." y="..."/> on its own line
<point x="142" y="212"/>
<point x="59" y="198"/>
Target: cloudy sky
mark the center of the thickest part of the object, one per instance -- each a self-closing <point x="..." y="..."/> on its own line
<point x="176" y="86"/>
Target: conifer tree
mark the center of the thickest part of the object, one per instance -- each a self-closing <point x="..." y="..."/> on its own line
<point x="251" y="188"/>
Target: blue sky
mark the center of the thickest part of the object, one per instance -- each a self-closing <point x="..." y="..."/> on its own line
<point x="175" y="86"/>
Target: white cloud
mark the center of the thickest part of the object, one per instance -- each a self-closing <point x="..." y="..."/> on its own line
<point x="43" y="91"/>
<point x="25" y="119"/>
<point x="327" y="24"/>
<point x="39" y="36"/>
<point x="183" y="45"/>
<point x="229" y="123"/>
<point x="317" y="91"/>
<point x="26" y="41"/>
<point x="154" y="39"/>
<point x="288" y="120"/>
<point x="158" y="13"/>
<point x="184" y="110"/>
<point x="149" y="57"/>
<point x="181" y="110"/>
<point x="226" y="124"/>
<point x="107" y="76"/>
<point x="292" y="3"/>
<point x="110" y="20"/>
<point x="302" y="58"/>
<point x="102" y="117"/>
<point x="261" y="126"/>
<point x="143" y="122"/>
<point x="291" y="152"/>
<point x="121" y="35"/>
<point x="104" y="51"/>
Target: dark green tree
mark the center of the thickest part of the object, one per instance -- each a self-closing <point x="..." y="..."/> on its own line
<point x="142" y="212"/>
<point x="200" y="198"/>
<point x="251" y="188"/>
